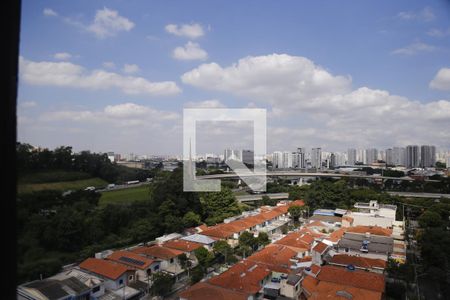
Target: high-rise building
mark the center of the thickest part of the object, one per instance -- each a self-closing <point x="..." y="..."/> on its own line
<point x="371" y="156"/>
<point x="316" y="158"/>
<point x="360" y="155"/>
<point x="427" y="156"/>
<point x="287" y="160"/>
<point x="389" y="157"/>
<point x="381" y="155"/>
<point x="412" y="156"/>
<point x="399" y="156"/>
<point x="299" y="159"/>
<point x="332" y="161"/>
<point x="351" y="157"/>
<point x="277" y="160"/>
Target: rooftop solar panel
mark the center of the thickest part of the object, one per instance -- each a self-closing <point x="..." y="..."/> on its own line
<point x="132" y="261"/>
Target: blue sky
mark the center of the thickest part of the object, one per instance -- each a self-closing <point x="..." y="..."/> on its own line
<point x="331" y="73"/>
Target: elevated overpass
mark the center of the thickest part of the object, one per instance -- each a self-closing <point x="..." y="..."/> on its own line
<point x="258" y="197"/>
<point x="298" y="174"/>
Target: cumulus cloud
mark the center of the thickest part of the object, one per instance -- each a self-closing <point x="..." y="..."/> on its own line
<point x="276" y="78"/>
<point x="49" y="12"/>
<point x="108" y="22"/>
<point x="125" y="114"/>
<point x="190" y="51"/>
<point x="62" y="56"/>
<point x="131" y="68"/>
<point x="414" y="48"/>
<point x="213" y="103"/>
<point x="425" y="15"/>
<point x="322" y="108"/>
<point x="191" y="31"/>
<point x="66" y="74"/>
<point x="442" y="80"/>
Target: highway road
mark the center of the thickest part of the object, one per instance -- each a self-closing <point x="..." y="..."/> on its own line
<point x="122" y="186"/>
<point x="419" y="195"/>
<point x="297" y="174"/>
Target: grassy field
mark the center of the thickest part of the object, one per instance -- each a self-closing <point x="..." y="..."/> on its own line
<point x="140" y="193"/>
<point x="61" y="186"/>
<point x="53" y="176"/>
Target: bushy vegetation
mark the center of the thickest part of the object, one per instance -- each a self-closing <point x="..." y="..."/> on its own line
<point x="36" y="165"/>
<point x="54" y="230"/>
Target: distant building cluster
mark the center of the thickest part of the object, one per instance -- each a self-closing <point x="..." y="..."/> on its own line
<point x="411" y="156"/>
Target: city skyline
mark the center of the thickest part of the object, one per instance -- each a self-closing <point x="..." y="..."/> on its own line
<point x="81" y="84"/>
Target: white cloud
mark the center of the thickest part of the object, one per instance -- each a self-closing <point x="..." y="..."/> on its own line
<point x="267" y="77"/>
<point x="425" y="15"/>
<point x="49" y="12"/>
<point x="439" y="33"/>
<point x="191" y="31"/>
<point x="108" y="22"/>
<point x="109" y="65"/>
<point x="213" y="103"/>
<point x="442" y="80"/>
<point x="66" y="74"/>
<point x="62" y="56"/>
<point x="124" y="114"/>
<point x="28" y="104"/>
<point x="190" y="51"/>
<point x="321" y="108"/>
<point x="414" y="48"/>
<point x="131" y="68"/>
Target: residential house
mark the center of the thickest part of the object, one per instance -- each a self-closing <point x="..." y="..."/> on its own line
<point x="143" y="267"/>
<point x="115" y="275"/>
<point x="168" y="258"/>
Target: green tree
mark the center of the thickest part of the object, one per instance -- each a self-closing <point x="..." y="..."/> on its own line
<point x="430" y="219"/>
<point x="295" y="211"/>
<point x="204" y="257"/>
<point x="248" y="241"/>
<point x="263" y="239"/>
<point x="266" y="200"/>
<point x="162" y="284"/>
<point x="191" y="219"/>
<point x="223" y="248"/>
<point x="219" y="205"/>
<point x="197" y="274"/>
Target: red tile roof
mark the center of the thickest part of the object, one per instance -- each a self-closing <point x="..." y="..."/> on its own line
<point x="317" y="224"/>
<point x="358" y="261"/>
<point x="358" y="279"/>
<point x="217" y="232"/>
<point x="275" y="257"/>
<point x="158" y="251"/>
<point x="320" y="247"/>
<point x="104" y="268"/>
<point x="245" y="277"/>
<point x="375" y="230"/>
<point x="297" y="203"/>
<point x="182" y="245"/>
<point x="335" y="236"/>
<point x="315" y="269"/>
<point x="202" y="227"/>
<point x="316" y="289"/>
<point x="296" y="241"/>
<point x="206" y="291"/>
<point x="130" y="257"/>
